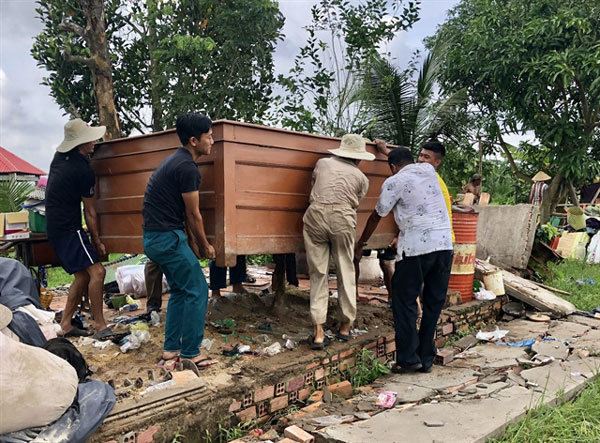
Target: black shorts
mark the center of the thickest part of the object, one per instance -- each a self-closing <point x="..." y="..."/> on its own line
<point x="382" y="254"/>
<point x="74" y="251"/>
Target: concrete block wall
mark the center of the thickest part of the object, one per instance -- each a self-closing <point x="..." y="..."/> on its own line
<point x="263" y="401"/>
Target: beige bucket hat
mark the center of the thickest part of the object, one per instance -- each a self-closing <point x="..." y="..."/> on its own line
<point x="78" y="132"/>
<point x="353" y="146"/>
<point x="5" y="316"/>
<point x="541" y="177"/>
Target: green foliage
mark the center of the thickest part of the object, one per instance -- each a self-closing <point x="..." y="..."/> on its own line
<point x="259" y="259"/>
<point x="533" y="67"/>
<point x="13" y="193"/>
<point x="319" y="90"/>
<point x="366" y="370"/>
<point x="168" y="57"/>
<point x="546" y="233"/>
<point x="574" y="421"/>
<point x="584" y="295"/>
<point x="403" y="110"/>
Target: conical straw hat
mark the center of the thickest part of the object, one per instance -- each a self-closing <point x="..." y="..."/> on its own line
<point x="541" y="177"/>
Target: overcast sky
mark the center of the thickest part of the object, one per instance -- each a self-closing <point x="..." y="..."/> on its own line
<point x="31" y="123"/>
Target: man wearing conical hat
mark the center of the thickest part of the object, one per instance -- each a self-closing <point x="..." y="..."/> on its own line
<point x="338" y="186"/>
<point x="538" y="188"/>
<point x="71" y="180"/>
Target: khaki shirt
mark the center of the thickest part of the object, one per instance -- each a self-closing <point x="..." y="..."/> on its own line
<point x="338" y="181"/>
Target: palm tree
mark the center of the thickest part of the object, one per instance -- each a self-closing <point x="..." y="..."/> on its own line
<point x="12" y="194"/>
<point x="402" y="111"/>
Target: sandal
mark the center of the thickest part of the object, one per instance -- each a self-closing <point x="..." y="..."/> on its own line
<point x="75" y="332"/>
<point x="196" y="366"/>
<point x="105" y="334"/>
<point x="168" y="364"/>
<point x="319" y="346"/>
<point x="343" y="337"/>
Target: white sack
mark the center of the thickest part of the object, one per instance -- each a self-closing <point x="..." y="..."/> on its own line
<point x="36" y="386"/>
<point x="131" y="280"/>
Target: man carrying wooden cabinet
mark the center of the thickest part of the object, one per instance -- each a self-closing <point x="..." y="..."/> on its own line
<point x="338" y="186"/>
<point x="171" y="198"/>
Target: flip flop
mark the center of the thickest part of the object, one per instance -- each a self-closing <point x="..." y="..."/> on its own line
<point x="168" y="364"/>
<point x="105" y="334"/>
<point x="196" y="366"/>
<point x="343" y="337"/>
<point x="76" y="332"/>
<point x="320" y="346"/>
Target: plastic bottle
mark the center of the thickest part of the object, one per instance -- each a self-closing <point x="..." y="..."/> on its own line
<point x="579" y="253"/>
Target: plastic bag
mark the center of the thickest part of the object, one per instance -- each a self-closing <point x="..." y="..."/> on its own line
<point x="131" y="280"/>
<point x="386" y="399"/>
<point x="497" y="334"/>
<point x="484" y="294"/>
<point x="134" y="340"/>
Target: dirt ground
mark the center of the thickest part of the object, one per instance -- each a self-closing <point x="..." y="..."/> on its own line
<point x="231" y="320"/>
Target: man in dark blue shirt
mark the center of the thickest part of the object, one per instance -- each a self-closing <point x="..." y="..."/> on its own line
<point x="171" y="199"/>
<point x="71" y="180"/>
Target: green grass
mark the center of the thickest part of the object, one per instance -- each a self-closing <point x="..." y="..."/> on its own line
<point x="58" y="276"/>
<point x="585" y="297"/>
<point x="574" y="421"/>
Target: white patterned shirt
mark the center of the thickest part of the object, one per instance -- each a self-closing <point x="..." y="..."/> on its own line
<point x="415" y="196"/>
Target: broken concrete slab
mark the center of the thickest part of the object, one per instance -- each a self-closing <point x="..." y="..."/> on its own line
<point x="489" y="356"/>
<point x="550" y="348"/>
<point x="589" y="341"/>
<point x="440" y="379"/>
<point x="472" y="420"/>
<point x="563" y="330"/>
<point x="582" y="320"/>
<point x="565" y="377"/>
<point x="522" y="329"/>
<point x="467" y="341"/>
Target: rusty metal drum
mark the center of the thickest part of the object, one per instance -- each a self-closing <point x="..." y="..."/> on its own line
<point x="464" y="225"/>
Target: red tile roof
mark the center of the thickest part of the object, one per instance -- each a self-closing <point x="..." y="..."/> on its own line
<point x="10" y="163"/>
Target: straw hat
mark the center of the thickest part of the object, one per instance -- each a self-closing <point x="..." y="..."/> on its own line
<point x="541" y="177"/>
<point x="353" y="146"/>
<point x="5" y="316"/>
<point x="78" y="132"/>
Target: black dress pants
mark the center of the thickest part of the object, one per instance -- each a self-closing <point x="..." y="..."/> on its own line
<point x="430" y="272"/>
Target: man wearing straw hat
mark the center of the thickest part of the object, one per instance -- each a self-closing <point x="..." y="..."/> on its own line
<point x="338" y="186"/>
<point x="539" y="188"/>
<point x="71" y="180"/>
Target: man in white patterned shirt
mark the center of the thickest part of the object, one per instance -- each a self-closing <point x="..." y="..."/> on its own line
<point x="424" y="257"/>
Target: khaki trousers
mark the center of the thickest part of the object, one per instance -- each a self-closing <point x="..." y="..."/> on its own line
<point x="330" y="229"/>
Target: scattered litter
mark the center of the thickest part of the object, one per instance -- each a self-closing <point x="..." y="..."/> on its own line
<point x="243" y="348"/>
<point x="355" y="332"/>
<point x="154" y="319"/>
<point x="207" y="343"/>
<point x="543" y="359"/>
<point x="102" y="344"/>
<point x="272" y="350"/>
<point x="290" y="344"/>
<point x="527" y="343"/>
<point x="85" y="341"/>
<point x="334" y="295"/>
<point x="264" y="339"/>
<point x="139" y="326"/>
<point x="497" y="334"/>
<point x="158" y="387"/>
<point x="433" y="424"/>
<point x="386" y="399"/>
<point x="484" y="294"/>
<point x="134" y="340"/>
<point x="331" y="420"/>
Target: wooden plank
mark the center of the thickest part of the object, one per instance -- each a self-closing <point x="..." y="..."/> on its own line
<point x="529" y="292"/>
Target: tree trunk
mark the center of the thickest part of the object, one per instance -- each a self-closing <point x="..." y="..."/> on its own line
<point x="157" y="114"/>
<point x="100" y="66"/>
<point x="550" y="200"/>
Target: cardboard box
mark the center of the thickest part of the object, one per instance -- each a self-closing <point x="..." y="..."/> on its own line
<point x="14" y="225"/>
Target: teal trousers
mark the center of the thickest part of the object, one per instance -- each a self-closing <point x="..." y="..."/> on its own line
<point x="184" y="327"/>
